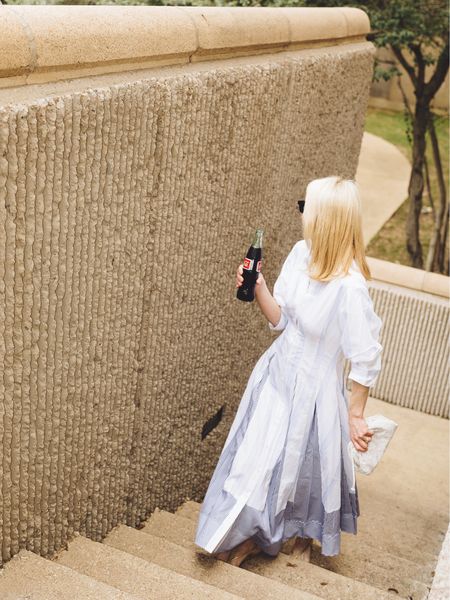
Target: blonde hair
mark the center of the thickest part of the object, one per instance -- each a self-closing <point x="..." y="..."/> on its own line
<point x="332" y="228"/>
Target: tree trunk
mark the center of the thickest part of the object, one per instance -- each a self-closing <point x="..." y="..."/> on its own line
<point x="416" y="183"/>
<point x="432" y="250"/>
<point x="441" y="214"/>
<point x="444" y="267"/>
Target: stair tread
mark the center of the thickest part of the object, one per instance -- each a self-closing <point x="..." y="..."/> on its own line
<point x="201" y="566"/>
<point x="129" y="573"/>
<point x="31" y="576"/>
<point x="354" y="567"/>
<point x="428" y="540"/>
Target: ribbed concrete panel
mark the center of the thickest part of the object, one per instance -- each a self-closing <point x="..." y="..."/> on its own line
<point x="415" y="356"/>
<point x="125" y="210"/>
<point x="416" y="352"/>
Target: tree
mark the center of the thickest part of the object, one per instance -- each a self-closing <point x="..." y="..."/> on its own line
<point x="420" y="26"/>
<point x="417" y="32"/>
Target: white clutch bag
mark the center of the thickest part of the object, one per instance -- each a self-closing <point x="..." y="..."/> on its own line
<point x="383" y="429"/>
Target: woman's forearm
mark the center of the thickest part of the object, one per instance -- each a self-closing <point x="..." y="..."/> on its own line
<point x="359" y="432"/>
<point x="358" y="399"/>
<point x="267" y="303"/>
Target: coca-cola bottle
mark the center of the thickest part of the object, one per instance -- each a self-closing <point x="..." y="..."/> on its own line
<point x="251" y="269"/>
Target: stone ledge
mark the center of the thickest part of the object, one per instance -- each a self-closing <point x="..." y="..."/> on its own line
<point x="45" y="42"/>
<point x="409" y="277"/>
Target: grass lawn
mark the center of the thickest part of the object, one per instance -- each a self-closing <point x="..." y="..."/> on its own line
<point x="390" y="242"/>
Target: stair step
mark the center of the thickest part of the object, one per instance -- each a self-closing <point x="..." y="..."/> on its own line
<point x="32" y="577"/>
<point x="358" y="564"/>
<point x="129" y="573"/>
<point x="425" y="534"/>
<point x="200" y="566"/>
<point x="422" y="562"/>
<point x="373" y="568"/>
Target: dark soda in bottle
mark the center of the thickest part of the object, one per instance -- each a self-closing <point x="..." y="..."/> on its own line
<point x="251" y="269"/>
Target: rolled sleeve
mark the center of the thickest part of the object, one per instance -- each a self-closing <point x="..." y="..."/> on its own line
<point x="281" y="323"/>
<point x="360" y="332"/>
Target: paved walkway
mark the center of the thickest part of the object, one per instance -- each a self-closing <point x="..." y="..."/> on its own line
<point x="408" y="492"/>
<point x="383" y="176"/>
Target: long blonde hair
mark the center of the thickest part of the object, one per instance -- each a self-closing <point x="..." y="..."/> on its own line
<point x="332" y="228"/>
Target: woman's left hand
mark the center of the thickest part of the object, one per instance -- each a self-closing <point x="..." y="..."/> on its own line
<point x="359" y="433"/>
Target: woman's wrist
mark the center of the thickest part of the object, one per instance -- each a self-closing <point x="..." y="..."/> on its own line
<point x="356" y="414"/>
<point x="260" y="286"/>
<point x="358" y="400"/>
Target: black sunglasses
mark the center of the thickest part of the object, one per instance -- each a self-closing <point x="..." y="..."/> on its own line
<point x="301" y="205"/>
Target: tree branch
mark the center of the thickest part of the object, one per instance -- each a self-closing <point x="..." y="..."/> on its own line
<point x="405" y="97"/>
<point x="437" y="79"/>
<point x="415" y="49"/>
<point x="405" y="64"/>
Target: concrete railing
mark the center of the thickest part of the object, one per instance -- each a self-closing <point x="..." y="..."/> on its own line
<point x="409" y="277"/>
<point x="135" y="163"/>
<point x="72" y="41"/>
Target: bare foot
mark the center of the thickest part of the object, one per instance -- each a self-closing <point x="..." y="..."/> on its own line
<point x="223" y="555"/>
<point x="303" y="548"/>
<point x="243" y="551"/>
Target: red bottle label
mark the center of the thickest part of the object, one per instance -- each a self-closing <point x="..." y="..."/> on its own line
<point x="248" y="263"/>
<point x="258" y="266"/>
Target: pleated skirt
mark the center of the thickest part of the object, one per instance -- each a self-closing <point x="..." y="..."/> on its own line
<point x="304" y="516"/>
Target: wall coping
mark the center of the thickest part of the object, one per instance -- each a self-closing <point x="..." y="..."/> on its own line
<point x="41" y="43"/>
<point x="409" y="277"/>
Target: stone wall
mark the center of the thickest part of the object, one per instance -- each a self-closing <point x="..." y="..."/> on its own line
<point x="134" y="170"/>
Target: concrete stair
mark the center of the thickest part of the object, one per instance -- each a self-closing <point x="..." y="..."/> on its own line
<point x="129" y="573"/>
<point x="28" y="576"/>
<point x="371" y="573"/>
<point x="161" y="562"/>
<point x="184" y="560"/>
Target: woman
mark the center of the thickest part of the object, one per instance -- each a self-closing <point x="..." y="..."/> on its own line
<point x="285" y="470"/>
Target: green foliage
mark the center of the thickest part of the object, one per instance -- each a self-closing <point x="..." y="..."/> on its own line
<point x="420" y="26"/>
<point x="389" y="243"/>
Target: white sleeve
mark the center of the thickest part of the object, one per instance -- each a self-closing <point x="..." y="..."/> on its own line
<point x="280" y="288"/>
<point x="360" y="331"/>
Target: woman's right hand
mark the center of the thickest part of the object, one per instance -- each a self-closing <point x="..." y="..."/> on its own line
<point x="239" y="276"/>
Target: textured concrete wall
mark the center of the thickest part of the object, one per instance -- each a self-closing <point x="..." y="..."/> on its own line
<point x="125" y="209"/>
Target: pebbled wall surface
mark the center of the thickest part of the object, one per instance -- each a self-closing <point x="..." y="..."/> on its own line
<point x="125" y="210"/>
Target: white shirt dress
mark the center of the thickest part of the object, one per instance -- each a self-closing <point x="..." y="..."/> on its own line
<point x="284" y="469"/>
